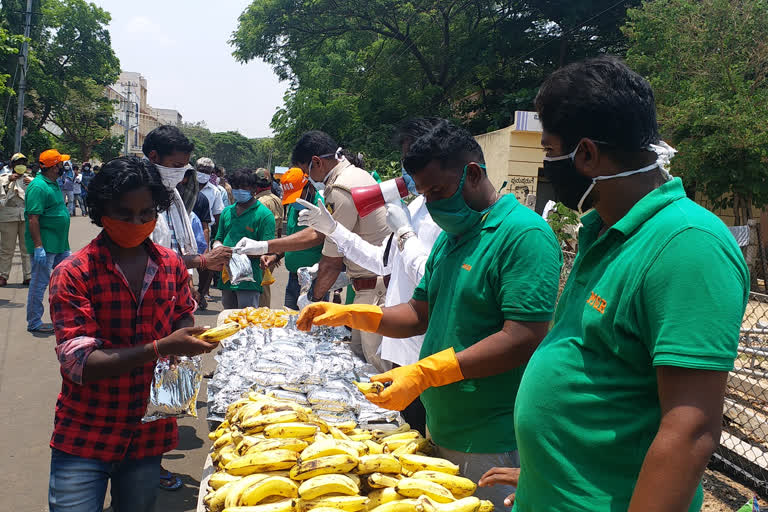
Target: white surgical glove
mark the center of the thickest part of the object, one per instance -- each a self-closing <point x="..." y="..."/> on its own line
<point x="398" y="218"/>
<point x="216" y="243"/>
<point x="316" y="217"/>
<point x="251" y="247"/>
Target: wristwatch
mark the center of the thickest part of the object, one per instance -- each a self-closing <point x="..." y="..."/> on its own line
<point x="402" y="238"/>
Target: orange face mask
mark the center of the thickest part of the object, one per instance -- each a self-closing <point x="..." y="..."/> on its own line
<point x="127" y="234"/>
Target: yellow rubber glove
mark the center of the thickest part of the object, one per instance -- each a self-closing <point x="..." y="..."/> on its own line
<point x="408" y="382"/>
<point x="363" y="317"/>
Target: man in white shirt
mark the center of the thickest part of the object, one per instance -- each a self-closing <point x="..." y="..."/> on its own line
<point x="402" y="255"/>
<point x="205" y="167"/>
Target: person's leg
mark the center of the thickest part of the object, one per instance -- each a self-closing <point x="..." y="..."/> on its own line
<point x="265" y="299"/>
<point x="41" y="275"/>
<point x="7" y="245"/>
<point x="134" y="485"/>
<point x="71" y="201"/>
<point x="228" y="299"/>
<point x="204" y="286"/>
<point x="292" y="290"/>
<point x="80" y="203"/>
<point x="26" y="264"/>
<point x="77" y="484"/>
<point x="246" y="298"/>
<point x="474" y="466"/>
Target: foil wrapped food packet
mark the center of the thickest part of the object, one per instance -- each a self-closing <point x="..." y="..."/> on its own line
<point x="238" y="270"/>
<point x="174" y="390"/>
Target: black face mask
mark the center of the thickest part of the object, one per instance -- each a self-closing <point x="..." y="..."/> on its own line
<point x="569" y="184"/>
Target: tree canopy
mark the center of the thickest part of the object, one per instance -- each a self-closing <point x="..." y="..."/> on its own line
<point x="232" y="150"/>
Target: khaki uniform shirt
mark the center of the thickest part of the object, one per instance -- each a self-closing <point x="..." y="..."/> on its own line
<point x="12" y="199"/>
<point x="372" y="228"/>
<point x="274" y="203"/>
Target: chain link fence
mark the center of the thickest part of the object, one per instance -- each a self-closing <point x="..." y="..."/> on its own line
<point x="743" y="450"/>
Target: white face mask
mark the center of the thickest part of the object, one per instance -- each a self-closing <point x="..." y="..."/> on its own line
<point x="172" y="176"/>
<point x="203" y="178"/>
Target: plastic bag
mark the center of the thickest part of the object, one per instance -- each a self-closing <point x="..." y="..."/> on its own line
<point x="238" y="270"/>
<point x="268" y="278"/>
<point x="174" y="390"/>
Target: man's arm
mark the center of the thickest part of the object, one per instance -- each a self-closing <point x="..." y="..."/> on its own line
<point x="304" y="239"/>
<point x="691" y="414"/>
<point x="328" y="270"/>
<point x="405" y="320"/>
<point x="34" y="230"/>
<point x="206" y="233"/>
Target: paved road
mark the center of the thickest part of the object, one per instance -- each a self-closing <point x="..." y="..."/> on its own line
<point x="30" y="382"/>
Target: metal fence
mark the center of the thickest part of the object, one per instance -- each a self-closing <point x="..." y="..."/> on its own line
<point x="743" y="450"/>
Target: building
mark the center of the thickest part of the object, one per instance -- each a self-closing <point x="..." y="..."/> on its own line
<point x="167" y="116"/>
<point x="513" y="156"/>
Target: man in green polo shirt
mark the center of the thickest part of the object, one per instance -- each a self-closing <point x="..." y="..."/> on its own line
<point x="484" y="304"/>
<point x="247" y="218"/>
<point x="46" y="233"/>
<point x="621" y="405"/>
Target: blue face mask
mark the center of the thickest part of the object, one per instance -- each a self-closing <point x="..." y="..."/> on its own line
<point x="242" y="196"/>
<point x="453" y="214"/>
<point x="409" y="181"/>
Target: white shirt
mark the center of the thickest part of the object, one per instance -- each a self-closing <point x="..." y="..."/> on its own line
<point x="77" y="188"/>
<point x="406" y="269"/>
<point x="212" y="194"/>
<point x="224" y="196"/>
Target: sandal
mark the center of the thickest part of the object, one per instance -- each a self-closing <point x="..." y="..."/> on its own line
<point x="169" y="481"/>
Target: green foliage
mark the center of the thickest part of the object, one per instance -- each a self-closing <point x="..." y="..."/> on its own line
<point x="9" y="48"/>
<point x="110" y="147"/>
<point x="357" y="69"/>
<point x="233" y="150"/>
<point x="563" y="222"/>
<point x="707" y="61"/>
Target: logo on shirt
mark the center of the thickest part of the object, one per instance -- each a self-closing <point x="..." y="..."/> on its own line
<point x="466" y="267"/>
<point x="597" y="302"/>
<point x="249" y="228"/>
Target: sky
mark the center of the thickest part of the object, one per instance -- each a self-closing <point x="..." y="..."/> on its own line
<point x="180" y="47"/>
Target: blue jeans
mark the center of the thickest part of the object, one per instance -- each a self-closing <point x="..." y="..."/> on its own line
<point x="78" y="484"/>
<point x="69" y="198"/>
<point x="292" y="291"/>
<point x="80" y="200"/>
<point x="41" y="275"/>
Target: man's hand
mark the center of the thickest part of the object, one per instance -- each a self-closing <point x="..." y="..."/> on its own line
<point x="27" y="179"/>
<point x="316" y="217"/>
<point x="184" y="343"/>
<point x="501" y="476"/>
<point x="269" y="261"/>
<point x="40" y="257"/>
<point x="215" y="259"/>
<point x="251" y="247"/>
<point x="363" y="317"/>
<point x="398" y="218"/>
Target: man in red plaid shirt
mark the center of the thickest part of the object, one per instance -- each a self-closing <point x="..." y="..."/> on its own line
<point x="117" y="305"/>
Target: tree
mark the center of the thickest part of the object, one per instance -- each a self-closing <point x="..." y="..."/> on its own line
<point x="110" y="147"/>
<point x="707" y="61"/>
<point x="233" y="150"/>
<point x="8" y="49"/>
<point x="84" y="117"/>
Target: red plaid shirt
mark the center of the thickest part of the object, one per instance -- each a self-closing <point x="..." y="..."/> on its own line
<point x="92" y="308"/>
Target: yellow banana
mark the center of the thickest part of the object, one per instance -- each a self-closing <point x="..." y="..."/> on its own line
<point x="269" y="487"/>
<point x="247" y="442"/>
<point x="325" y="509"/>
<point x="332" y="464"/>
<point x="226" y="455"/>
<point x="380" y="496"/>
<point x="380" y="480"/>
<point x="217" y="499"/>
<point x="221" y="478"/>
<point x="222" y="441"/>
<point x="300" y="430"/>
<point x="467" y="504"/>
<point x="219" y="333"/>
<point x="239" y="487"/>
<point x="413" y="462"/>
<point x="260" y="462"/>
<point x="359" y="446"/>
<point x="355" y="478"/>
<point x="262" y="420"/>
<point x="344" y="503"/>
<point x="370" y="387"/>
<point x="324" y="448"/>
<point x="415" y="487"/>
<point x="404" y="505"/>
<point x="327" y="484"/>
<point x="383" y="463"/>
<point x="364" y="436"/>
<point x="374" y="448"/>
<point x="345" y="426"/>
<point x="402" y="436"/>
<point x="279" y="506"/>
<point x="381" y="434"/>
<point x="337" y="433"/>
<point x="459" y="486"/>
<point x="289" y="443"/>
<point x="485" y="506"/>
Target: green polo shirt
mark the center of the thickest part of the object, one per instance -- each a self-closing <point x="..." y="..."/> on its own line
<point x="256" y="223"/>
<point x="665" y="286"/>
<point x="44" y="198"/>
<point x="507" y="268"/>
<point x="294" y="260"/>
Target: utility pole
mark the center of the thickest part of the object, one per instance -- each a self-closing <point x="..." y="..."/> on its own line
<point x="127" y="119"/>
<point x="24" y="62"/>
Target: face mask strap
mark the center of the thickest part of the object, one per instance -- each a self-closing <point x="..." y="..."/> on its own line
<point x="620" y="175"/>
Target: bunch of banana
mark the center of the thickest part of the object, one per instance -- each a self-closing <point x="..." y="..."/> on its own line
<point x="260" y="462"/>
<point x="217" y="334"/>
<point x="459" y="486"/>
<point x="413" y="463"/>
<point x="343" y="503"/>
<point x="416" y="487"/>
<point x="328" y="484"/>
<point x="380" y="480"/>
<point x="331" y="464"/>
<point x="291" y="429"/>
<point x="380" y="463"/>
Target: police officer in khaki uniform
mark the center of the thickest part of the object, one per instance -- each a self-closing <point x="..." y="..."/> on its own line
<point x="318" y="155"/>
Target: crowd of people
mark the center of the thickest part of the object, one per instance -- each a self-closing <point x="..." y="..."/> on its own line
<point x="608" y="398"/>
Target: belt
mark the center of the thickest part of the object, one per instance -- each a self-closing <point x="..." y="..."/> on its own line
<point x="368" y="283"/>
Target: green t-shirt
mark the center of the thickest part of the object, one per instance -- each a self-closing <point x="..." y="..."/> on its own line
<point x="44" y="198"/>
<point x="256" y="223"/>
<point x="507" y="268"/>
<point x="665" y="286"/>
<point x="294" y="260"/>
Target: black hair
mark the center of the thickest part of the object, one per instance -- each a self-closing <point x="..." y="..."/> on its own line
<point x="356" y="159"/>
<point x="445" y="142"/>
<point x="600" y="99"/>
<point x="123" y="175"/>
<point x="75" y="167"/>
<point x="243" y="179"/>
<point x="314" y="143"/>
<point x="166" y="139"/>
<point x="411" y="129"/>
